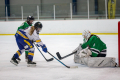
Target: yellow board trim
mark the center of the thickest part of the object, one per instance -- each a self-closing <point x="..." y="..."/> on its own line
<point x="31" y="54"/>
<point x="78" y="33"/>
<point x="6" y="34"/>
<point x="68" y="34"/>
<point x="18" y="53"/>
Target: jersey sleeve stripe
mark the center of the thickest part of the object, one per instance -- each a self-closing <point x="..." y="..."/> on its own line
<point x="38" y="40"/>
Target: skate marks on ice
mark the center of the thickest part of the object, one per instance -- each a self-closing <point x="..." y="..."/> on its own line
<point x="40" y="64"/>
<point x="53" y="64"/>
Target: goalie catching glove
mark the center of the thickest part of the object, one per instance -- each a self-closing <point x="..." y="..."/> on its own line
<point x="44" y="48"/>
<point x="85" y="52"/>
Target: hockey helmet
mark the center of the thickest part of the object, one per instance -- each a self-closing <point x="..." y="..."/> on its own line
<point x="30" y="18"/>
<point x="38" y="25"/>
<point x="86" y="34"/>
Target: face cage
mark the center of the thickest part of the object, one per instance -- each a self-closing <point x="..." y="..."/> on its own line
<point x="38" y="30"/>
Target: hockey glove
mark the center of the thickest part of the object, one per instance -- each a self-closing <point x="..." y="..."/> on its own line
<point x="78" y="49"/>
<point x="39" y="44"/>
<point x="44" y="48"/>
<point x="85" y="52"/>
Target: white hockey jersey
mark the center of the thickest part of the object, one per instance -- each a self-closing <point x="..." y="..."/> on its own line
<point x="33" y="37"/>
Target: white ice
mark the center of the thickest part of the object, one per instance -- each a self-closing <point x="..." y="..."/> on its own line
<point x="54" y="70"/>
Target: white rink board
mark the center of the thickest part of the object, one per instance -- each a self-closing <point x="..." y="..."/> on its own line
<point x="66" y="26"/>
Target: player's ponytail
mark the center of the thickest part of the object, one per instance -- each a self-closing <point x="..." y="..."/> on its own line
<point x="32" y="30"/>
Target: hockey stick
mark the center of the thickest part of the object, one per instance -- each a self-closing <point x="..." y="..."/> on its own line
<point x="59" y="56"/>
<point x="63" y="63"/>
<point x="43" y="55"/>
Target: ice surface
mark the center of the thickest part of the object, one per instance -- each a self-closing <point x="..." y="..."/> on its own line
<point x="54" y="70"/>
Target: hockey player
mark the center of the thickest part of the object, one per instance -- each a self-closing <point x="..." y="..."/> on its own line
<point x="24" y="38"/>
<point x="92" y="48"/>
<point x="24" y="25"/>
<point x="27" y="23"/>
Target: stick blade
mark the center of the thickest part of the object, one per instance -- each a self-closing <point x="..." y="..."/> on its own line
<point x="73" y="66"/>
<point x="58" y="55"/>
<point x="50" y="59"/>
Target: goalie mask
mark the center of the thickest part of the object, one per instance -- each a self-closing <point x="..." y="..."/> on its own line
<point x="38" y="26"/>
<point x="86" y="34"/>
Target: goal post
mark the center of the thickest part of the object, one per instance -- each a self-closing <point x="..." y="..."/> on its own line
<point x="119" y="43"/>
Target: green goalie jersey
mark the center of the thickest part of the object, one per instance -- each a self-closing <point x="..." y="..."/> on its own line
<point x="95" y="44"/>
<point x="23" y="26"/>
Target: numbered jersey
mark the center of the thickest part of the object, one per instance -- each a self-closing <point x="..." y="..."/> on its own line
<point x="95" y="44"/>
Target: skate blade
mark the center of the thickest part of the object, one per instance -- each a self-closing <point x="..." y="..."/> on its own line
<point x="31" y="65"/>
<point x="13" y="62"/>
<point x="18" y="61"/>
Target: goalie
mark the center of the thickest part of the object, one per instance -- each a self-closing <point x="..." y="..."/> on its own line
<point x="93" y="52"/>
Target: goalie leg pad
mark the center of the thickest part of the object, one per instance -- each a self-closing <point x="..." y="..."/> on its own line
<point x="96" y="61"/>
<point x="81" y="60"/>
<point x="76" y="58"/>
<point x="101" y="62"/>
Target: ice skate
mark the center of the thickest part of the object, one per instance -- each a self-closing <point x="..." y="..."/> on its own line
<point x="26" y="57"/>
<point x="76" y="58"/>
<point x="31" y="64"/>
<point x="18" y="60"/>
<point x="14" y="61"/>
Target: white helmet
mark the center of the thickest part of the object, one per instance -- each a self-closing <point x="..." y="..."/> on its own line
<point x="86" y="34"/>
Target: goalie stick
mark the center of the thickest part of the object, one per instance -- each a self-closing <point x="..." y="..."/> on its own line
<point x="63" y="63"/>
<point x="59" y="56"/>
<point x="43" y="55"/>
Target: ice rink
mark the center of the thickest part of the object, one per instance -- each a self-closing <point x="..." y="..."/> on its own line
<point x="54" y="70"/>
